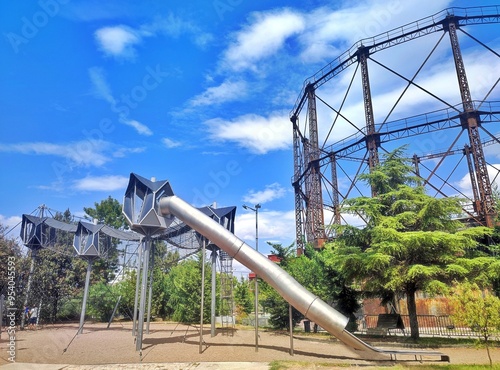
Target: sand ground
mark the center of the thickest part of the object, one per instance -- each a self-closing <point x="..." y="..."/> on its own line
<point x="174" y="346"/>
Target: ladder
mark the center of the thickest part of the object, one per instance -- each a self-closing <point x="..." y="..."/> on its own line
<point x="226" y="291"/>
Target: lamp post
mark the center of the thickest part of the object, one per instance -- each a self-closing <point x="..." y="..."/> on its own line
<point x="256" y="210"/>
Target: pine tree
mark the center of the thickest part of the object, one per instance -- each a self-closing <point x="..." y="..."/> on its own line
<point x="410" y="242"/>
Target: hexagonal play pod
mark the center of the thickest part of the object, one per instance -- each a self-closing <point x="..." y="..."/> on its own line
<point x="86" y="240"/>
<point x="35" y="233"/>
<point x="141" y="205"/>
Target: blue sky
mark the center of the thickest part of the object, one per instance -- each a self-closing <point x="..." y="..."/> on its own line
<point x="196" y="92"/>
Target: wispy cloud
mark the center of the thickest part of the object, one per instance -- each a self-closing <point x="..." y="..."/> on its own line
<point x="84" y="153"/>
<point x="273" y="225"/>
<point x="139" y="127"/>
<point x="9" y="223"/>
<point x="175" y="27"/>
<point x="120" y="41"/>
<point x="225" y="92"/>
<point x="169" y="143"/>
<point x="102" y="90"/>
<point x="258" y="134"/>
<point x="101" y="183"/>
<point x="101" y="87"/>
<point x="271" y="192"/>
<point x="266" y="33"/>
<point x="464" y="184"/>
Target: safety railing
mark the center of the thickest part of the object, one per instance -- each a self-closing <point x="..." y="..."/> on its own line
<point x="428" y="325"/>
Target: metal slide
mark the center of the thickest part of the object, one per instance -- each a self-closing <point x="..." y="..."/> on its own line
<point x="299" y="297"/>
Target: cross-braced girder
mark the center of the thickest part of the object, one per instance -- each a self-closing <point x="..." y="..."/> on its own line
<point x="433" y="135"/>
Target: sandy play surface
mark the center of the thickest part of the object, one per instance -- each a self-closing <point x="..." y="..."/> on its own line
<point x="172" y="343"/>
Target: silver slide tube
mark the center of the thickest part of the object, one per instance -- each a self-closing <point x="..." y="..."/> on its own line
<point x="299" y="297"/>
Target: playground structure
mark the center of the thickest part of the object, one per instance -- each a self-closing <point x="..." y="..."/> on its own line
<point x="334" y="141"/>
<point x="154" y="212"/>
<point x="93" y="241"/>
<point x="151" y="205"/>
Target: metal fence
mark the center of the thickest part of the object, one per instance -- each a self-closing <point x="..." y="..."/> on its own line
<point x="429" y="325"/>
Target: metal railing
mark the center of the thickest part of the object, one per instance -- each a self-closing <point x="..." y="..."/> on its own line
<point x="428" y="325"/>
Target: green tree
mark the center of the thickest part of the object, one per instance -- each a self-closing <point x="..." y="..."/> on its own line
<point x="183" y="286"/>
<point x="410" y="241"/>
<point x="312" y="271"/>
<point x="8" y="248"/>
<point x="102" y="300"/>
<point x="478" y="310"/>
<point x="243" y="297"/>
<point x="108" y="212"/>
<point x="58" y="275"/>
<point x="13" y="262"/>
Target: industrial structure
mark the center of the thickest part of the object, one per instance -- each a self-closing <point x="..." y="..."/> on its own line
<point x="332" y="149"/>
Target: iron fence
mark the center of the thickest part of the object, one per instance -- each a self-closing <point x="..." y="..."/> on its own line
<point x="429" y="325"/>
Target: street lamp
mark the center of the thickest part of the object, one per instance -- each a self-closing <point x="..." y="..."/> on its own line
<point x="256" y="210"/>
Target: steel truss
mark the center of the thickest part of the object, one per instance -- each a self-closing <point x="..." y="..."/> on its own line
<point x="313" y="182"/>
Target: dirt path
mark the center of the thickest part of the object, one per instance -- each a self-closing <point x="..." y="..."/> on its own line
<point x="172" y="343"/>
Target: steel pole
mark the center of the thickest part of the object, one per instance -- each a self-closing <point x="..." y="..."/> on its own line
<point x="85" y="295"/>
<point x="28" y="286"/>
<point x="290" y="320"/>
<point x="202" y="304"/>
<point x="214" y="282"/>
<point x="151" y="277"/>
<point x="257" y="280"/>
<point x="137" y="287"/>
<point x="142" y="304"/>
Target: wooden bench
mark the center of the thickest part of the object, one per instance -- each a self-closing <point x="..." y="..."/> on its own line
<point x="386" y="322"/>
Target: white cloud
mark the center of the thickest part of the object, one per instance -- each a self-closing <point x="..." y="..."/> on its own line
<point x="118" y="41"/>
<point x="101" y="183"/>
<point x="258" y="134"/>
<point x="80" y="153"/>
<point x="12" y="222"/>
<point x="265" y="35"/>
<point x="274" y="226"/>
<point x="141" y="128"/>
<point x="225" y="92"/>
<point x="121" y="41"/>
<point x="174" y="27"/>
<point x="464" y="183"/>
<point x="102" y="90"/>
<point x="492" y="150"/>
<point x="101" y="86"/>
<point x="84" y="153"/>
<point x="122" y="152"/>
<point x="169" y="143"/>
<point x="271" y="192"/>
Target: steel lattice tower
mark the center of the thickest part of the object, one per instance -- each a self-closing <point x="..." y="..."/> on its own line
<point x="313" y="154"/>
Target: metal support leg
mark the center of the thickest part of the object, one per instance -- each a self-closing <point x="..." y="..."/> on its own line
<point x="212" y="307"/>
<point x="28" y="287"/>
<point x="150" y="286"/>
<point x="142" y="304"/>
<point x="137" y="288"/>
<point x="85" y="295"/>
<point x="202" y="304"/>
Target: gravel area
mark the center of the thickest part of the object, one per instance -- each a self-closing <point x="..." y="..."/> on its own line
<point x="176" y="346"/>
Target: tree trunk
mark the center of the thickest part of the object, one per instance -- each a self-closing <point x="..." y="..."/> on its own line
<point x="412" y="313"/>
